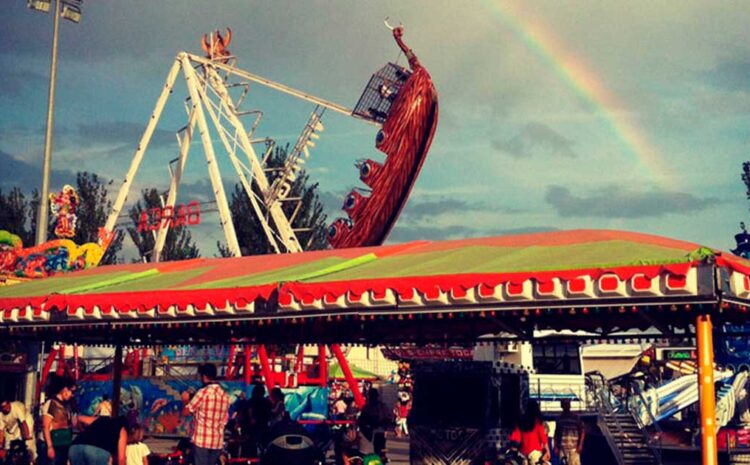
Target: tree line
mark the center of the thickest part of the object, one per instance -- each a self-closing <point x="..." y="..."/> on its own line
<point x="18" y="214"/>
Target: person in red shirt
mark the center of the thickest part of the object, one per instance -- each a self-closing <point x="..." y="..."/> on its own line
<point x="210" y="410"/>
<point x="531" y="435"/>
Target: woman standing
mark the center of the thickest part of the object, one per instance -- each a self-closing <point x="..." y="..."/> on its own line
<point x="531" y="435"/>
<point x="105" y="439"/>
<point x="57" y="425"/>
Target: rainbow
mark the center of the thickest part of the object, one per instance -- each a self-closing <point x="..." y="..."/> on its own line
<point x="578" y="76"/>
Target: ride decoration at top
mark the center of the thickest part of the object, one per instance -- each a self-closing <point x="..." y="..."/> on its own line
<point x="57" y="255"/>
<point x="406" y="102"/>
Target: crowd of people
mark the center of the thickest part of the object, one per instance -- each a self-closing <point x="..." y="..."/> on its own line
<point x="66" y="437"/>
<point x="100" y="439"/>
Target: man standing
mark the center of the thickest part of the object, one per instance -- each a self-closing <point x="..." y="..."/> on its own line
<point x="15" y="424"/>
<point x="569" y="435"/>
<point x="210" y="410"/>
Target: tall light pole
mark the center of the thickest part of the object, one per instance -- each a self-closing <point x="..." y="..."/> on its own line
<point x="70" y="10"/>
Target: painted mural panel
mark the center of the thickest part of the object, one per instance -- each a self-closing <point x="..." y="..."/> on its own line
<point x="157" y="405"/>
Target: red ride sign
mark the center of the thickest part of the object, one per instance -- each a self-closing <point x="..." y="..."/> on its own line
<point x="158" y="218"/>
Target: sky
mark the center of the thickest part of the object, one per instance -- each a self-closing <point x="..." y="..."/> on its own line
<point x="553" y="115"/>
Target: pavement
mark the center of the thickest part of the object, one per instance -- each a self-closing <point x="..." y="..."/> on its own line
<point x="398" y="448"/>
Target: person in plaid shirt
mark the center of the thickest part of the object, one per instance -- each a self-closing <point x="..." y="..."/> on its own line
<point x="210" y="410"/>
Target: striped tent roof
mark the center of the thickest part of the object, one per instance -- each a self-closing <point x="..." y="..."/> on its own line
<point x="357" y="294"/>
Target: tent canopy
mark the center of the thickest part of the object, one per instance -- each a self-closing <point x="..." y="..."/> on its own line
<point x="594" y="280"/>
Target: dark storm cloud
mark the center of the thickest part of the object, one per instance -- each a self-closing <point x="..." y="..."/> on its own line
<point x="420" y="209"/>
<point x="536" y="139"/>
<point x="622" y="202"/>
<point x="18" y="173"/>
<point x="731" y="75"/>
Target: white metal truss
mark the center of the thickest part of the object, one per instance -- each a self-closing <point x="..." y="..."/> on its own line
<point x="210" y="99"/>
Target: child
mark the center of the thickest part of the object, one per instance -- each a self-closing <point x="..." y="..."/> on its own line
<point x="137" y="452"/>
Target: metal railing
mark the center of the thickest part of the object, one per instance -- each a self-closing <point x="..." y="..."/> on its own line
<point x="602" y="395"/>
<point x="654" y="440"/>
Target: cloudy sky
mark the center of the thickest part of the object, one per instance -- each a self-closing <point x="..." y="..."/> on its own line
<point x="553" y="115"/>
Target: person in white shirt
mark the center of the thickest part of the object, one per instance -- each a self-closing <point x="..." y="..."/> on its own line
<point x="16" y="423"/>
<point x="136" y="452"/>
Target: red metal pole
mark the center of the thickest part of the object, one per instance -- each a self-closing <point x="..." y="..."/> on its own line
<point x="61" y="360"/>
<point x="51" y="356"/>
<point x="300" y="359"/>
<point x="135" y="369"/>
<point x="704" y="332"/>
<point x="266" y="367"/>
<point x="323" y="380"/>
<point x="248" y="359"/>
<point x="348" y="375"/>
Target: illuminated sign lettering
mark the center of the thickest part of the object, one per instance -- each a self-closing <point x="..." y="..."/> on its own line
<point x="680" y="355"/>
<point x="170" y="217"/>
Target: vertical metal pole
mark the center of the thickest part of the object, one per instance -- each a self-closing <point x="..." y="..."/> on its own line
<point x="60" y="370"/>
<point x="116" y="381"/>
<point x="300" y="359"/>
<point x="230" y="363"/>
<point x="213" y="167"/>
<point x="75" y="362"/>
<point x="323" y="364"/>
<point x="42" y="216"/>
<point x="248" y="365"/>
<point x="703" y="329"/>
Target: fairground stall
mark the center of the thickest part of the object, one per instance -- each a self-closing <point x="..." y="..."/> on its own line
<point x="601" y="282"/>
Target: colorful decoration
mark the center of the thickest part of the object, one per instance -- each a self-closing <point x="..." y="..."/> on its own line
<point x="406" y="102"/>
<point x="215" y="46"/>
<point x="55" y="256"/>
<point x="63" y="206"/>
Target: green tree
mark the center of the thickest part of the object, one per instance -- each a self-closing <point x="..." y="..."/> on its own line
<point x="92" y="213"/>
<point x="16" y="214"/>
<point x="179" y="244"/>
<point x="746" y="178"/>
<point x="309" y="219"/>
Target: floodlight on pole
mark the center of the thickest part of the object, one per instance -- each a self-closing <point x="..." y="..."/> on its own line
<point x="70" y="10"/>
<point x="39" y="5"/>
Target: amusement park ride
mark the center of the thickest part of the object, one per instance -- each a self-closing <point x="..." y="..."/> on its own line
<point x="623" y="280"/>
<point x="400" y="102"/>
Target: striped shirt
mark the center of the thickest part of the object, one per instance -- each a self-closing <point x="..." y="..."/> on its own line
<point x="210" y="409"/>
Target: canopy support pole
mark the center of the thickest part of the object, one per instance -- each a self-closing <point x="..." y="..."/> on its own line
<point x="323" y="364"/>
<point x="265" y="367"/>
<point x="229" y="373"/>
<point x="348" y="375"/>
<point x="116" y="380"/>
<point x="247" y="371"/>
<point x="703" y="329"/>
